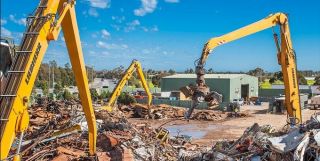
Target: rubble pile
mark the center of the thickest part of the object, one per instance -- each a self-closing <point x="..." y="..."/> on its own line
<point x="161" y="111"/>
<point x="58" y="132"/>
<point x="141" y="140"/>
<point x="264" y="143"/>
<point x="62" y="135"/>
<point x="208" y="115"/>
<point x="164" y="111"/>
<point x="53" y="128"/>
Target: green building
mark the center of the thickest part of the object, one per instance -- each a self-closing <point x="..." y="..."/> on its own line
<point x="231" y="86"/>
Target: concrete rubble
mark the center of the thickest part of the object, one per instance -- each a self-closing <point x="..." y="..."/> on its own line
<point x="58" y="132"/>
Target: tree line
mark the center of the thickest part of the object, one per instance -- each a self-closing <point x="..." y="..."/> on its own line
<point x="262" y="75"/>
<point x="58" y="77"/>
<point x="51" y="75"/>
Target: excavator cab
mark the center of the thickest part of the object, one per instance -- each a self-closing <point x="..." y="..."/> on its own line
<point x="7" y="55"/>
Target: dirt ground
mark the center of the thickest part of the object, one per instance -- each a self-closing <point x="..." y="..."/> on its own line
<point x="207" y="132"/>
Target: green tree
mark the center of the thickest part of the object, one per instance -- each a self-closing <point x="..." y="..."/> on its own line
<point x="317" y="80"/>
<point x="279" y="76"/>
<point x="257" y="72"/>
<point x="57" y="88"/>
<point x="44" y="87"/>
<point x="171" y="71"/>
<point x="301" y="79"/>
<point x="126" y="99"/>
<point x="67" y="95"/>
<point x="156" y="80"/>
<point x="276" y="76"/>
<point x="69" y="79"/>
<point x="91" y="74"/>
<point x="137" y="83"/>
<point x="94" y="94"/>
<point x="210" y="71"/>
<point x="104" y="94"/>
<point x="189" y="71"/>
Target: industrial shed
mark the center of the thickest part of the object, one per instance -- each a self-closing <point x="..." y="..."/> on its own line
<point x="231" y="86"/>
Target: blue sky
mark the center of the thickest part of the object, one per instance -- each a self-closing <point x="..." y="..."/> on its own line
<point x="166" y="34"/>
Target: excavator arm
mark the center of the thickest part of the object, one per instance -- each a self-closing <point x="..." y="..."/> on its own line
<point x="42" y="27"/>
<point x="135" y="66"/>
<point x="286" y="58"/>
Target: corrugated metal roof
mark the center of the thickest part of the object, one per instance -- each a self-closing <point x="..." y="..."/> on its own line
<point x="100" y="83"/>
<point x="222" y="76"/>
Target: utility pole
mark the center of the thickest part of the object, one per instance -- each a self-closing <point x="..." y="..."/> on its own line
<point x="53" y="76"/>
<point x="53" y="69"/>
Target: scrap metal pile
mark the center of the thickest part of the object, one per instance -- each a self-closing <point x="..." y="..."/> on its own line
<point x="264" y="143"/>
<point x="58" y="131"/>
<point x="164" y="111"/>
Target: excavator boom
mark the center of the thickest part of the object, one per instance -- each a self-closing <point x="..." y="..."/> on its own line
<point x="135" y="66"/>
<point x="286" y="58"/>
<point x="42" y="27"/>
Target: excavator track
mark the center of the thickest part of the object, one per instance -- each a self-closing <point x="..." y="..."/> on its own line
<point x="9" y="84"/>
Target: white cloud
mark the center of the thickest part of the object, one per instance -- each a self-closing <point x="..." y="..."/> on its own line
<point x="118" y="19"/>
<point x="3" y="21"/>
<point x="145" y="29"/>
<point x="21" y="21"/>
<point x="168" y="53"/>
<point x="124" y="46"/>
<point x="85" y="14"/>
<point x="152" y="29"/>
<point x="112" y="46"/>
<point x="155" y="28"/>
<point x="147" y="6"/>
<point x="172" y="1"/>
<point x="131" y="25"/>
<point x="101" y="44"/>
<point x="5" y="32"/>
<point x="100" y="3"/>
<point x="135" y="23"/>
<point x="116" y="27"/>
<point x="105" y="34"/>
<point x="93" y="12"/>
<point x="94" y="35"/>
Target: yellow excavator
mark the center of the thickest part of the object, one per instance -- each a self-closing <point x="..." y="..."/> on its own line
<point x="286" y="58"/>
<point x="135" y="66"/>
<point x="17" y="81"/>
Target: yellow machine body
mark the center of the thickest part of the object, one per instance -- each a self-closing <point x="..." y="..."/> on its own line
<point x="135" y="66"/>
<point x="286" y="57"/>
<point x="45" y="25"/>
